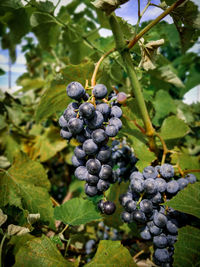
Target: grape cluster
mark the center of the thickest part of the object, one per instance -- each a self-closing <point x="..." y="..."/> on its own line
<point x="92" y="120"/>
<point x="123" y="160"/>
<point x="143" y="204"/>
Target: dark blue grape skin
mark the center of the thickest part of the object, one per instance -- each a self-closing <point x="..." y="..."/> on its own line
<point x="101" y="206"/>
<point x="191" y="178"/>
<point x="145" y="234"/>
<point x="102" y="185"/>
<point x="87" y="110"/>
<point x="93" y="166"/>
<point x="160" y="241"/>
<point x="150" y="186"/>
<point x="167" y="171"/>
<point x="87" y="132"/>
<point x="136" y="175"/>
<point x="99" y="136"/>
<point x="172" y="226"/>
<point x="89" y="245"/>
<point x="75" y="90"/>
<point x="116" y="112"/>
<point x="172" y="187"/>
<point x="171" y="239"/>
<point x="81" y="173"/>
<point x="124" y="198"/>
<point x="69" y="113"/>
<point x="137" y="185"/>
<point x="104" y="109"/>
<point x="104" y="154"/>
<point x="111" y="130"/>
<point x="182" y="182"/>
<point x="126" y="217"/>
<point x="160" y="219"/>
<point x="77" y="162"/>
<point x="92" y="179"/>
<point x="73" y="105"/>
<point x="116" y="121"/>
<point x="96" y="121"/>
<point x="162" y="255"/>
<point x="146" y="206"/>
<point x="130" y="206"/>
<point x="80" y="138"/>
<point x="161" y="184"/>
<point x="109" y="207"/>
<point x="149" y="172"/>
<point x="90" y="147"/>
<point x="139" y="216"/>
<point x="154" y="230"/>
<point x="157" y="198"/>
<point x="99" y="91"/>
<point x="75" y="125"/>
<point x="79" y="152"/>
<point x="105" y="172"/>
<point x="62" y="122"/>
<point x="65" y="134"/>
<point x="90" y="190"/>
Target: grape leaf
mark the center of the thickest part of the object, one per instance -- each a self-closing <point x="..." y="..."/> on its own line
<point x="173" y="128"/>
<point x="25" y="185"/>
<point x="187" y="200"/>
<point x="42" y="252"/>
<point x="56" y="96"/>
<point x="187" y="247"/>
<point x="111" y="253"/>
<point x="76" y="211"/>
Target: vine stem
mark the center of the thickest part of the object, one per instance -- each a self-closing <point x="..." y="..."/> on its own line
<point x="138" y="254"/>
<point x="188" y="171"/>
<point x="154" y="22"/>
<point x="165" y="149"/>
<point x="125" y="54"/>
<point x="93" y="80"/>
<point x="1" y="247"/>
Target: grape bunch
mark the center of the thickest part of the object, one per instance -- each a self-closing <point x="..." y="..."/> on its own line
<point x="123" y="160"/>
<point x="92" y="120"/>
<point x="143" y="204"/>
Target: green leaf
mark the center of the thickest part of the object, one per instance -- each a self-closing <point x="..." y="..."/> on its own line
<point x="187" y="200"/>
<point x="187" y="247"/>
<point x="38" y="18"/>
<point x="108" y="6"/>
<point x="56" y="96"/>
<point x="31" y="84"/>
<point x="76" y="211"/>
<point x="163" y="105"/>
<point x="111" y="253"/>
<point x="40" y="252"/>
<point x="173" y="128"/>
<point x="25" y="185"/>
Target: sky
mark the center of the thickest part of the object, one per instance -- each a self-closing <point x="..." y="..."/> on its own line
<point x="128" y="11"/>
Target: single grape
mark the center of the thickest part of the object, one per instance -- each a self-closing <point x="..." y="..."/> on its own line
<point x="102" y="185"/>
<point x="99" y="91"/>
<point x="137" y="185"/>
<point x="69" y="113"/>
<point x="121" y="98"/>
<point x="93" y="166"/>
<point x="75" y="90"/>
<point x="101" y="206"/>
<point x="99" y="136"/>
<point x="62" y="122"/>
<point x="104" y="109"/>
<point x="167" y="171"/>
<point x="191" y="178"/>
<point x="105" y="172"/>
<point x="145" y="234"/>
<point x="160" y="241"/>
<point x="150" y="186"/>
<point x="92" y="179"/>
<point x="116" y="121"/>
<point x="124" y="198"/>
<point x="75" y="125"/>
<point x="96" y="121"/>
<point x="90" y="147"/>
<point x="160" y="219"/>
<point x="111" y="130"/>
<point x="77" y="162"/>
<point x="146" y="206"/>
<point x="104" y="154"/>
<point x="109" y="207"/>
<point x="116" y="112"/>
<point x="154" y="230"/>
<point x="149" y="172"/>
<point x="139" y="216"/>
<point x="79" y="152"/>
<point x="182" y="182"/>
<point x="157" y="198"/>
<point x="130" y="206"/>
<point x="91" y="190"/>
<point x="172" y="187"/>
<point x="65" y="134"/>
<point x="81" y="173"/>
<point x="87" y="132"/>
<point x="87" y="110"/>
<point x="162" y="254"/>
<point x="136" y="175"/>
<point x="161" y="184"/>
<point x="171" y="239"/>
<point x="126" y="217"/>
<point x="172" y="226"/>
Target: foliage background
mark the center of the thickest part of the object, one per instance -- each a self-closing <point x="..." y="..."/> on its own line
<point x="36" y="163"/>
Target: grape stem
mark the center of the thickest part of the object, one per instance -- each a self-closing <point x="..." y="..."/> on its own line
<point x="142" y="130"/>
<point x="188" y="171"/>
<point x="55" y="203"/>
<point x="165" y="149"/>
<point x="137" y="255"/>
<point x="1" y="248"/>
